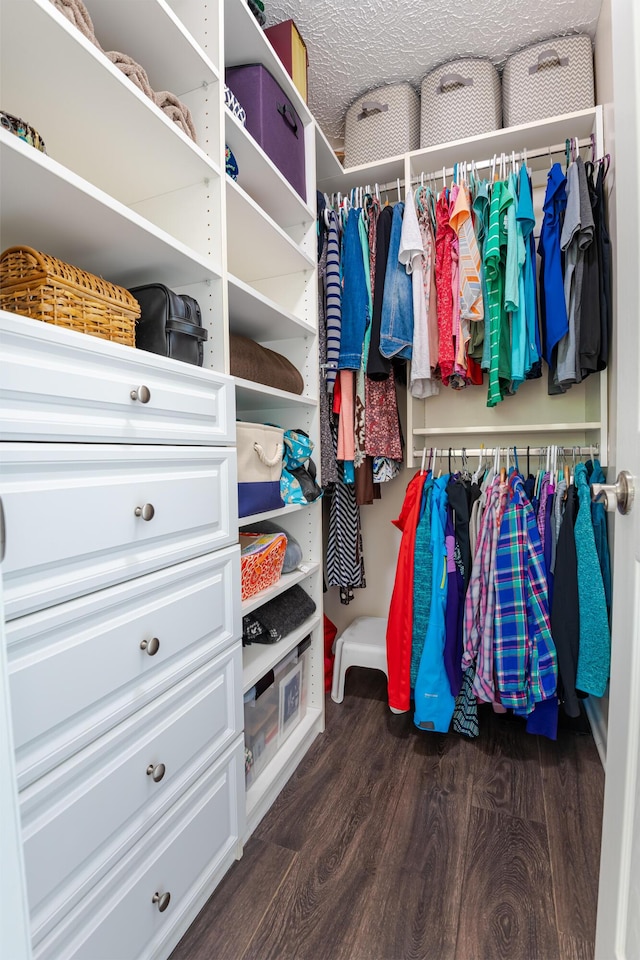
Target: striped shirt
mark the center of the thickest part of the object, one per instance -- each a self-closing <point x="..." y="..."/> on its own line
<point x="333" y="294"/>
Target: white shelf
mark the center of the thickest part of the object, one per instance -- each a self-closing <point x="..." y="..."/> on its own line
<point x="101" y="126"/>
<point x="251" y="395"/>
<point x="262" y="180"/>
<point x="272" y="514"/>
<point x="256" y="316"/>
<point x="506" y="428"/>
<point x="272" y="779"/>
<point x="532" y="136"/>
<point x="146" y="30"/>
<point x="58" y="212"/>
<point x="259" y="658"/>
<point x="328" y="167"/>
<point x="258" y="247"/>
<point x="245" y="42"/>
<point x="286" y="581"/>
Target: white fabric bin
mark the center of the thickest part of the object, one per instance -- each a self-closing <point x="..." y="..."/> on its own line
<point x="548" y="79"/>
<point x="385" y="122"/>
<point x="460" y="99"/>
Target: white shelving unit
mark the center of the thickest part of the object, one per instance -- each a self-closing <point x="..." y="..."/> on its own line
<point x="272" y="298"/>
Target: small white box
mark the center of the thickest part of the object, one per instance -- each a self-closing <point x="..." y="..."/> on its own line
<point x="385" y="122"/>
<point x="460" y="99"/>
<point x="548" y="79"/>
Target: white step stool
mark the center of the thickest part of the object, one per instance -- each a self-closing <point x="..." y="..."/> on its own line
<point x="363" y="644"/>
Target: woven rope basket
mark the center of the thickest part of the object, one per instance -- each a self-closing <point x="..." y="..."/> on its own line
<point x="37" y="285"/>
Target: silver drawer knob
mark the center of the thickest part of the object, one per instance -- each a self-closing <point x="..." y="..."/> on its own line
<point x="150" y="646"/>
<point x="146" y="511"/>
<point x="162" y="899"/>
<point x="157" y="772"/>
<point x="143" y="394"/>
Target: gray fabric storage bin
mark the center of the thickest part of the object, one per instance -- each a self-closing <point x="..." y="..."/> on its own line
<point x="460" y="99"/>
<point x="548" y="79"/>
<point x="385" y="122"/>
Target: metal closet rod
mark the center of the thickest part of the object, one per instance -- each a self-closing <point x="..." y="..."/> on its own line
<point x="485" y="164"/>
<point x="490" y="451"/>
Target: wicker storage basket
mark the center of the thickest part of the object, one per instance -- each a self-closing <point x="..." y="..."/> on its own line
<point x="42" y="287"/>
<point x="261" y="561"/>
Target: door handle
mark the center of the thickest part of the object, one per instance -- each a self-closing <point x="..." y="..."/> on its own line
<point x="619" y="494"/>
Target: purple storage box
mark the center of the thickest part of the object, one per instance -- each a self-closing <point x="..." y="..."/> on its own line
<point x="271" y="120"/>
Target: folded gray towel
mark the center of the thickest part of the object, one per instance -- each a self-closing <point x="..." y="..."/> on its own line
<point x="132" y="70"/>
<point x="77" y="13"/>
<point x="177" y="111"/>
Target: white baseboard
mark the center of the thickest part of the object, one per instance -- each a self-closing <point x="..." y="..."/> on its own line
<point x="598" y="723"/>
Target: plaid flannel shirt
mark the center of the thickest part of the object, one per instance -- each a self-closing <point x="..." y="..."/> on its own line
<point x="525" y="662"/>
<point x="480" y="598"/>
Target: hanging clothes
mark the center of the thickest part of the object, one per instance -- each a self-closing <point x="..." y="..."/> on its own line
<point x="599" y="519"/>
<point x="400" y="620"/>
<point x="565" y="609"/>
<point x="345" y="555"/>
<point x="552" y="300"/>
<point x="595" y="639"/>
<point x="333" y="300"/>
<point x="422" y="579"/>
<point x="329" y="467"/>
<point x="355" y="298"/>
<point x="444" y="242"/>
<point x="527" y="221"/>
<point x="396" y="323"/>
<point x="434" y="702"/>
<point x="494" y="259"/>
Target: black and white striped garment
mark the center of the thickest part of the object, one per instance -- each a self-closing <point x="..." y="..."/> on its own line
<point x="333" y="293"/>
<point x="345" y="556"/>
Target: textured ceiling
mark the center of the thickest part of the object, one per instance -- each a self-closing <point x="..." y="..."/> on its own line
<point x="355" y="45"/>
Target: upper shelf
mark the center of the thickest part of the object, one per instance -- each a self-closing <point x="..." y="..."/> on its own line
<point x="256" y="316"/>
<point x="104" y="128"/>
<point x="245" y="42"/>
<point x="252" y="396"/>
<point x="151" y="33"/>
<point x="258" y="247"/>
<point x="260" y="177"/>
<point x="531" y="136"/>
<point x="47" y="206"/>
<point x="328" y="166"/>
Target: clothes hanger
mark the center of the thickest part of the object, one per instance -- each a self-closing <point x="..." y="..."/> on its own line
<point x="424" y="457"/>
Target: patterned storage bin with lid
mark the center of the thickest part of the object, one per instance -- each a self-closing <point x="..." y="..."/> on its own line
<point x="385" y="122"/>
<point x="548" y="79"/>
<point x="460" y="99"/>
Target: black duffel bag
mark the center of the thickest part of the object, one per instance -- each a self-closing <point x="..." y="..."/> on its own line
<point x="170" y="324"/>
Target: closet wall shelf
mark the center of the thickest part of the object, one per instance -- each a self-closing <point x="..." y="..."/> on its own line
<point x="262" y="180"/>
<point x="258" y="247"/>
<point x="531" y="136"/>
<point x="250" y="395"/>
<point x="287" y="580"/>
<point x="502" y="428"/>
<point x="245" y="42"/>
<point x="58" y="212"/>
<point x="254" y="315"/>
<point x="150" y="29"/>
<point x="262" y="793"/>
<point x="259" y="658"/>
<point x="327" y="164"/>
<point x="279" y="513"/>
<point x="129" y="147"/>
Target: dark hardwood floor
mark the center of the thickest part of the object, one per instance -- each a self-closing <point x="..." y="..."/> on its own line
<point x="394" y="844"/>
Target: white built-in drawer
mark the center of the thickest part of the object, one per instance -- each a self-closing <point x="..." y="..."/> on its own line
<point x="78" y="669"/>
<point x="83" y="816"/>
<point x="61" y="385"/>
<point x="75" y="515"/>
<point x="184" y="855"/>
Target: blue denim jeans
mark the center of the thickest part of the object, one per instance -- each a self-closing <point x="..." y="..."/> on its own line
<point x="355" y="299"/>
<point x="396" y="325"/>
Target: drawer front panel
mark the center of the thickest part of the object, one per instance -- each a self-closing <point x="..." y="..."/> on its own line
<point x="71" y="523"/>
<point x="83" y="816"/>
<point x="182" y="854"/>
<point x="78" y="669"/>
<point x="65" y="386"/>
